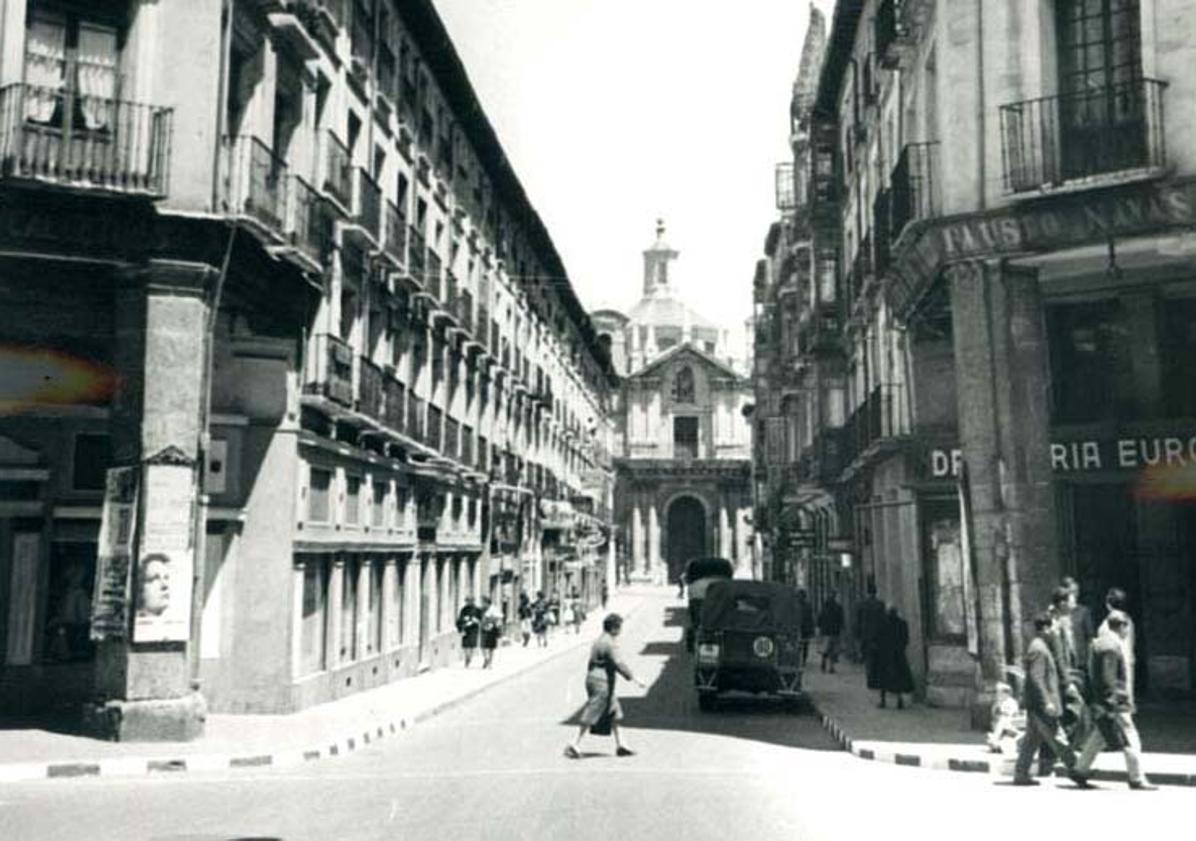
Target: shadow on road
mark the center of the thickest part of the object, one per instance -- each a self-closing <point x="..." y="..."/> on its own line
<point x="672" y="704"/>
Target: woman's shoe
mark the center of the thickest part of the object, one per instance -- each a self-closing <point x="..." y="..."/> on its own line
<point x="622" y="751"/>
<point x="572" y="752"/>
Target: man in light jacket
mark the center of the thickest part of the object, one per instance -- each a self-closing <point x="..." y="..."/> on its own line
<point x="1044" y="704"/>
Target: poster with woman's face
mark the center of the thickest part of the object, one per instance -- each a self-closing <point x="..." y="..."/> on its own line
<point x="162" y="586"/>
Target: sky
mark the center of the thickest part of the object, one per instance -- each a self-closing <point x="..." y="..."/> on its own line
<point x="617" y="112"/>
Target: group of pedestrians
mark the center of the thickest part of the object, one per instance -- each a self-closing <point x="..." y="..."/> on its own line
<point x="1079" y="690"/>
<point x="883" y="636"/>
<point x="481" y="625"/>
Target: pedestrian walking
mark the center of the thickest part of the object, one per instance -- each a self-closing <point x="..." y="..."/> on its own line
<point x="540" y="619"/>
<point x="603" y="713"/>
<point x="525" y="618"/>
<point x="1044" y="704"/>
<point x="1080" y="618"/>
<point x="806" y="627"/>
<point x="1117" y="601"/>
<point x="1113" y="704"/>
<point x="895" y="676"/>
<point x="830" y="626"/>
<point x="469" y="623"/>
<point x="490" y="632"/>
<point x="870" y="620"/>
<point x="576" y="613"/>
<point x="1073" y="714"/>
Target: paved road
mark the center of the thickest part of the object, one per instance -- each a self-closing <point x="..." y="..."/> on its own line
<point x="492" y="768"/>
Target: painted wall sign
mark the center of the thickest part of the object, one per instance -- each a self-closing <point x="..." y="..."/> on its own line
<point x="1126" y="453"/>
<point x="166" y="555"/>
<point x="1040" y="226"/>
<point x="110" y="600"/>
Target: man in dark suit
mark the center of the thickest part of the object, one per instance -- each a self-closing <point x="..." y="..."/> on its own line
<point x="869" y="625"/>
<point x="1044" y="704"/>
<point x="1082" y="627"/>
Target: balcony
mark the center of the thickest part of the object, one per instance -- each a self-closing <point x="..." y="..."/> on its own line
<point x="482" y="333"/>
<point x="395" y="412"/>
<point x="338" y="171"/>
<point x="330" y="369"/>
<point x="892" y="32"/>
<point x="1093" y="137"/>
<point x="879" y="419"/>
<point x="322" y="18"/>
<point x="310" y="224"/>
<point x="416" y="255"/>
<point x="464" y="310"/>
<point x="367" y="207"/>
<point x="105" y="144"/>
<point x="255" y="182"/>
<point x="395" y="245"/>
<point x="467" y="455"/>
<point x="823" y="461"/>
<point x="913" y="193"/>
<point x="434" y="434"/>
<point x="432" y="276"/>
<point x="415" y="417"/>
<point x="370" y="391"/>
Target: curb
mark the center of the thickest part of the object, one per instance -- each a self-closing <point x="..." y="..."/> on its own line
<point x="129" y="766"/>
<point x="996" y="767"/>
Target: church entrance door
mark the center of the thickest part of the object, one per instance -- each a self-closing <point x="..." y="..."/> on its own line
<point x="686" y="535"/>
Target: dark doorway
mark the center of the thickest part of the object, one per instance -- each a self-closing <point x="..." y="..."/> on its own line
<point x="686" y="537"/>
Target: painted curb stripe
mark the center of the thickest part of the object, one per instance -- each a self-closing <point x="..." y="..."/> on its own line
<point x="251" y="761"/>
<point x="908" y="759"/>
<point x="165" y="766"/>
<point x="73" y="769"/>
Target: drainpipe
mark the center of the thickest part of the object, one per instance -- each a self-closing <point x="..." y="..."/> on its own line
<point x="981" y="146"/>
<point x="222" y="84"/>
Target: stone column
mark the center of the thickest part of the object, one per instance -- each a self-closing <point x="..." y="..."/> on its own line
<point x="146" y="686"/>
<point x="638" y="558"/>
<point x="1002" y="389"/>
<point x="654" y="569"/>
<point x="724" y="531"/>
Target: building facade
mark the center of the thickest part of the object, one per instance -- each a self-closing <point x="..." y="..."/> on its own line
<point x="1006" y="190"/>
<point x="681" y="457"/>
<point x="289" y="381"/>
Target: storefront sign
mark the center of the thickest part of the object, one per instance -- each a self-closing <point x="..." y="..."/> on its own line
<point x="1091" y="455"/>
<point x="166" y="556"/>
<point x="1041" y="226"/>
<point x="110" y="599"/>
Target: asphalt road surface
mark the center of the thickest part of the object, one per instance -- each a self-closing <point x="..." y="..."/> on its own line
<point x="493" y="768"/>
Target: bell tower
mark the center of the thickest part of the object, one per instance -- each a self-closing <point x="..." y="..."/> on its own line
<point x="656" y="264"/>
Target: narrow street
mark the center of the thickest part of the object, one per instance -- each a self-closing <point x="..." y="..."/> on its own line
<point x="492" y="768"/>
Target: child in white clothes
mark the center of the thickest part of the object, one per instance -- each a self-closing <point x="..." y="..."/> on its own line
<point x="1006" y="715"/>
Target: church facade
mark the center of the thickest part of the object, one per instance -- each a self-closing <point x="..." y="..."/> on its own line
<point x="682" y="487"/>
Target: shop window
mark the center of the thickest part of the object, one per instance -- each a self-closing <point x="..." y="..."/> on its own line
<point x="348" y="640"/>
<point x="314" y="622"/>
<point x="93" y="457"/>
<point x="1091" y="376"/>
<point x="352" y="500"/>
<point x="68" y="603"/>
<point x="318" y="495"/>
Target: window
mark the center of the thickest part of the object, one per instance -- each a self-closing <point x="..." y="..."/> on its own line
<point x="373" y="631"/>
<point x="317" y="495"/>
<point x="1091" y="375"/>
<point x="683" y="385"/>
<point x="352" y="500"/>
<point x="348" y="641"/>
<point x="378" y="507"/>
<point x="315" y="599"/>
<point x="93" y="456"/>
<point x="685" y="437"/>
<point x="71" y="71"/>
<point x="395" y="616"/>
<point x="400" y="505"/>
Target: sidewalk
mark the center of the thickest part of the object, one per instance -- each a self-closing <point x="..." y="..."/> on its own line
<point x="941" y="739"/>
<point x="325" y="730"/>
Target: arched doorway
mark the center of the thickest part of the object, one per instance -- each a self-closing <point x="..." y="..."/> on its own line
<point x="686" y="534"/>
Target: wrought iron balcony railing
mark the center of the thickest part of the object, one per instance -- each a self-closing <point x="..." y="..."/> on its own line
<point x="370" y="393"/>
<point x="432" y="277"/>
<point x="256" y="182"/>
<point x="396" y="234"/>
<point x="1109" y="131"/>
<point x="913" y="187"/>
<point x="310" y="225"/>
<point x="66" y="137"/>
<point x="329" y="369"/>
<point x="395" y="413"/>
<point x="416" y="253"/>
<point x="338" y="170"/>
<point x="879" y="418"/>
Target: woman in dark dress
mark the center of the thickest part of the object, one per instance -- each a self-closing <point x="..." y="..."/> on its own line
<point x="892" y="666"/>
<point x="491" y="621"/>
<point x="469" y="622"/>
<point x="602" y="707"/>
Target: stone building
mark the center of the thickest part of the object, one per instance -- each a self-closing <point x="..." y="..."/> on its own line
<point x="1006" y="193"/>
<point x="681" y="455"/>
<point x="280" y="382"/>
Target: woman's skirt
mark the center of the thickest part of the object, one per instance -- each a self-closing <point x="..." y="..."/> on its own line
<point x="490" y="637"/>
<point x="599" y="699"/>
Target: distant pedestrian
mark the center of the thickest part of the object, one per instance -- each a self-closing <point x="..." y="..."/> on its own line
<point x="870" y="620"/>
<point x="830" y="625"/>
<point x="576" y="613"/>
<point x="1082" y="629"/>
<point x="554" y="608"/>
<point x="540" y="619"/>
<point x="681" y="585"/>
<point x="602" y="712"/>
<point x="1044" y="704"/>
<point x="469" y="623"/>
<point x="605" y="593"/>
<point x="491" y="631"/>
<point x="1113" y="704"/>
<point x="525" y="618"/>
<point x="806" y="626"/>
<point x="895" y="675"/>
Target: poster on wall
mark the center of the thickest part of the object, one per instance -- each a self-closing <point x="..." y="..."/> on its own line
<point x="165" y="558"/>
<point x="110" y="600"/>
